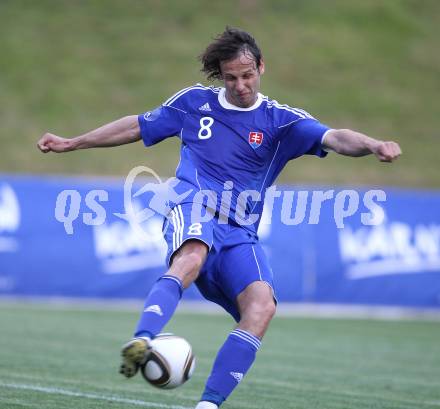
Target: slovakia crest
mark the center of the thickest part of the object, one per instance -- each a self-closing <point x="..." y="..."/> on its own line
<point x="255" y="139"/>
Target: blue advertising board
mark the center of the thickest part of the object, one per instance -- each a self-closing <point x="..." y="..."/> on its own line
<point x="72" y="237"/>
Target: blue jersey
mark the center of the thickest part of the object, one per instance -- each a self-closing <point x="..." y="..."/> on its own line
<point x="232" y="149"/>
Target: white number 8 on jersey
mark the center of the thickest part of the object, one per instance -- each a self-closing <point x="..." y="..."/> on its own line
<point x="205" y="127"/>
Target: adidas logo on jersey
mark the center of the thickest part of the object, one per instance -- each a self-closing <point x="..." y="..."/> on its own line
<point x="205" y="107"/>
<point x="154" y="309"/>
<point x="238" y="376"/>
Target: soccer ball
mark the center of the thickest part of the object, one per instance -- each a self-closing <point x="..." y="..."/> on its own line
<point x="170" y="363"/>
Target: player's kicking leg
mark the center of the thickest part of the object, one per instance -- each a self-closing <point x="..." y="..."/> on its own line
<point x="161" y="303"/>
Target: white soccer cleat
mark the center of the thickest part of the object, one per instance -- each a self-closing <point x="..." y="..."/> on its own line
<point x="206" y="405"/>
<point x="134" y="354"/>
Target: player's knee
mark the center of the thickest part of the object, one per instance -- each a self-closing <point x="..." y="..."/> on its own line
<point x="271" y="309"/>
<point x="187" y="267"/>
<point x="262" y="311"/>
<point x="194" y="261"/>
<point x="268" y="310"/>
<point x="257" y="316"/>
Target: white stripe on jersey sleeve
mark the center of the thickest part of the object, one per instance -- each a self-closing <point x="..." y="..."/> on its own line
<point x="180" y="93"/>
<point x="177" y="95"/>
<point x="290" y="123"/>
<point x="271" y="103"/>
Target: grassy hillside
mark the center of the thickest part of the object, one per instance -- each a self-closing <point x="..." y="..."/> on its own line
<point x="70" y="66"/>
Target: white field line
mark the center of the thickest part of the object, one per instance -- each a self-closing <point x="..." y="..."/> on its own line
<point x="127" y="387"/>
<point x="282" y="384"/>
<point x="65" y="392"/>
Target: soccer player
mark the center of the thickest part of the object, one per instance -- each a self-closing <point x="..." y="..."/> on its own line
<point x="234" y="143"/>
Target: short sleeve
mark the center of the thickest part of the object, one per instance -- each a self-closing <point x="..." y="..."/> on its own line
<point x="303" y="137"/>
<point x="159" y="124"/>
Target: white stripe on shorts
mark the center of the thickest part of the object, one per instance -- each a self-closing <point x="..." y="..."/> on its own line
<point x="176" y="229"/>
<point x="258" y="266"/>
<point x="179" y="224"/>
<point x="182" y="225"/>
<point x="174" y="223"/>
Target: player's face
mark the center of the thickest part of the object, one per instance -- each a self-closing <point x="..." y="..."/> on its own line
<point x="242" y="79"/>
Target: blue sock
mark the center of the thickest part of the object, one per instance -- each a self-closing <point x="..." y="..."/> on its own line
<point x="159" y="306"/>
<point x="233" y="361"/>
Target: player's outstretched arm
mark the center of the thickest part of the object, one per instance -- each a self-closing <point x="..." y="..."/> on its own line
<point x="119" y="132"/>
<point x="351" y="143"/>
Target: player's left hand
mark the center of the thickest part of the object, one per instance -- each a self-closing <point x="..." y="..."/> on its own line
<point x="54" y="143"/>
<point x="387" y="151"/>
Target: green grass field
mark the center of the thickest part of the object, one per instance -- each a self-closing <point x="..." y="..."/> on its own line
<point x="67" y="357"/>
<point x="70" y="66"/>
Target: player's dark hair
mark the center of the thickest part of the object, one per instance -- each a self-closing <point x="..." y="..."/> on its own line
<point x="225" y="47"/>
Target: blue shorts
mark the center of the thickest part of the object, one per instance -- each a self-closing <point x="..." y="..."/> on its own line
<point x="234" y="261"/>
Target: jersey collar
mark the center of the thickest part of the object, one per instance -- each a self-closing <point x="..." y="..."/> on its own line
<point x="225" y="104"/>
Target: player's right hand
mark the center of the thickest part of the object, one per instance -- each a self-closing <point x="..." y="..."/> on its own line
<point x="387" y="151"/>
<point x="53" y="143"/>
